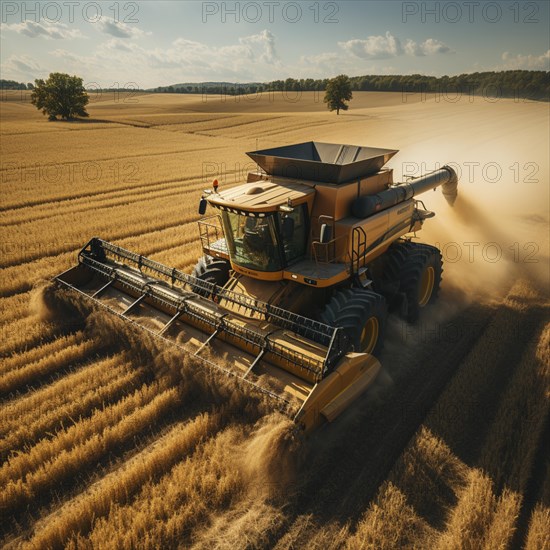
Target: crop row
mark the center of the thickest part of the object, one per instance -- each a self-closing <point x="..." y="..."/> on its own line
<point x="32" y="475"/>
<point x="168" y="510"/>
<point x="23" y="335"/>
<point x="119" y="486"/>
<point x="29" y="373"/>
<point x="182" y="238"/>
<point x="76" y="395"/>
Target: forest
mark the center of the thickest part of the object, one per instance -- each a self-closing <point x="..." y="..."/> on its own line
<point x="512" y="84"/>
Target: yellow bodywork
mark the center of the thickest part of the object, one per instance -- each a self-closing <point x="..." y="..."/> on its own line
<point x="264" y="308"/>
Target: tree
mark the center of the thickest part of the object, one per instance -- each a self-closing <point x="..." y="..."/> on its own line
<point x="61" y="95"/>
<point x="338" y="91"/>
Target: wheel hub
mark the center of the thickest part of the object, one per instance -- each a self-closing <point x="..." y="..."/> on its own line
<point x="426" y="286"/>
<point x="369" y="335"/>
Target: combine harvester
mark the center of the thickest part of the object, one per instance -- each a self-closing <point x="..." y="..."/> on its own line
<point x="300" y="266"/>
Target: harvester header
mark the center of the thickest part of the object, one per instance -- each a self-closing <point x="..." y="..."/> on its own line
<point x="301" y="265"/>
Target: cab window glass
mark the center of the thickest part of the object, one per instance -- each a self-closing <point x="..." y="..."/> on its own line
<point x="295" y="245"/>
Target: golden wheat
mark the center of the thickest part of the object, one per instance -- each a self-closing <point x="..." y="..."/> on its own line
<point x="133" y="174"/>
<point x="28" y="475"/>
<point x="45" y="411"/>
<point x="79" y="515"/>
<point x="18" y="378"/>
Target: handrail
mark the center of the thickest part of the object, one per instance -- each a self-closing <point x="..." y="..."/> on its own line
<point x="208" y="228"/>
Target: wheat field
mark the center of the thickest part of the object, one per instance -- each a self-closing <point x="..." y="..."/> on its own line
<point x="108" y="439"/>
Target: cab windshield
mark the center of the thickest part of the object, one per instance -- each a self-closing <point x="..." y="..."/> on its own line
<point x="253" y="241"/>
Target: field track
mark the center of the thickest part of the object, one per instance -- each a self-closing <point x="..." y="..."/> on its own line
<point x="108" y="439"/>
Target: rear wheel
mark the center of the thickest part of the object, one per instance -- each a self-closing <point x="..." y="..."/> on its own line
<point x="420" y="279"/>
<point x="361" y="314"/>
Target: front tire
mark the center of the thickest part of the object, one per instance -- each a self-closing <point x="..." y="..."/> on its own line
<point x="211" y="270"/>
<point x="362" y="315"/>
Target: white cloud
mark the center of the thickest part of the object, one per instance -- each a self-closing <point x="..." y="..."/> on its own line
<point x="22" y="67"/>
<point x="529" y="61"/>
<point x="266" y="41"/>
<point x="250" y="58"/>
<point x="388" y="46"/>
<point x="412" y="48"/>
<point x="431" y="46"/>
<point x="354" y="55"/>
<point x="51" y="31"/>
<point x="374" y="47"/>
<point x="118" y="29"/>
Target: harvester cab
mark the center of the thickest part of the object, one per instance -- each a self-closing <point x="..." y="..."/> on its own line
<point x="300" y="265"/>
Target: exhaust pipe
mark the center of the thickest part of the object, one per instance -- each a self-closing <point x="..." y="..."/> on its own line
<point x="445" y="178"/>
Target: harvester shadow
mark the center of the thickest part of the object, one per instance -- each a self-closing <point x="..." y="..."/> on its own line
<point x="349" y="459"/>
<point x="474" y="420"/>
<point x="501" y="347"/>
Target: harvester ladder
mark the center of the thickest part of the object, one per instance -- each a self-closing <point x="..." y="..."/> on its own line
<point x="358" y="248"/>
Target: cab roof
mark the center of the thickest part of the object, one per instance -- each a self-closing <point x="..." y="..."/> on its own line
<point x="260" y="196"/>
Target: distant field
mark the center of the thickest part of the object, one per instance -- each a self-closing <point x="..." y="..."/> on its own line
<point x="109" y="443"/>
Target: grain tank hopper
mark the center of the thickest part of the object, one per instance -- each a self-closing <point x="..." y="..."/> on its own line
<point x="301" y="265"/>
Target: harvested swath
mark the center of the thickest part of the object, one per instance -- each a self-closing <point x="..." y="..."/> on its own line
<point x="248" y="524"/>
<point x="118" y="487"/>
<point x="78" y="432"/>
<point x="24" y="334"/>
<point x="57" y="393"/>
<point x="14" y="307"/>
<point x="480" y="518"/>
<point x="32" y="475"/>
<point x="390" y="522"/>
<point x="16" y="361"/>
<point x="527" y="395"/>
<point x="29" y="374"/>
<point x="223" y="471"/>
<point x="106" y="382"/>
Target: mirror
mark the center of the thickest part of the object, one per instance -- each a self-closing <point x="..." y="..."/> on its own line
<point x="202" y="206"/>
<point x="325" y="235"/>
<point x="288" y="227"/>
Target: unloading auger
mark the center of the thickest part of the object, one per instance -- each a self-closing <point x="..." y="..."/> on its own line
<point x="300" y="266"/>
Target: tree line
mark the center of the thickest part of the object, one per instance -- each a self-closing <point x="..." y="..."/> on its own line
<point x="522" y="84"/>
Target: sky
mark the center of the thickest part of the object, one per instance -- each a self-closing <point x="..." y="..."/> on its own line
<point x="148" y="44"/>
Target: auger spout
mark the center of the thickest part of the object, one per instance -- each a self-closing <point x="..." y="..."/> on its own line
<point x="445" y="178"/>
